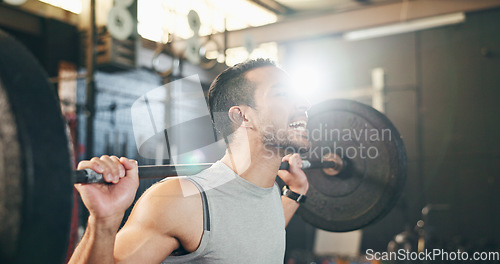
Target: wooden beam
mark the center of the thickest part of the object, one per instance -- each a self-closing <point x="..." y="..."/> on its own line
<point x="49" y="11"/>
<point x="336" y="23"/>
<point x="274" y="7"/>
<point x="11" y="17"/>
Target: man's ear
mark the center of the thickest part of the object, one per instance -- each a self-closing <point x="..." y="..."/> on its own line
<point x="235" y="115"/>
<point x="238" y="117"/>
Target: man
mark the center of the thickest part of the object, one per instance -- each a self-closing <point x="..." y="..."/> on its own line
<point x="229" y="213"/>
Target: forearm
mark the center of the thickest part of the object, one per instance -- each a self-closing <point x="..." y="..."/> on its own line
<point x="289" y="207"/>
<point x="296" y="181"/>
<point x="97" y="244"/>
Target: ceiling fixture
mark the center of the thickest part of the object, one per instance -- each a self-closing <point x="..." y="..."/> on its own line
<point x="404" y="27"/>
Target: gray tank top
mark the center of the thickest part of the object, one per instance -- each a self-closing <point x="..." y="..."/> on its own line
<point x="243" y="223"/>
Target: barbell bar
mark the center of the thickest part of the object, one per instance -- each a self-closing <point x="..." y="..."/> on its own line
<point x="163" y="171"/>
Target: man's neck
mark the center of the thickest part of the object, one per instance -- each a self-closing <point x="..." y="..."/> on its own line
<point x="255" y="163"/>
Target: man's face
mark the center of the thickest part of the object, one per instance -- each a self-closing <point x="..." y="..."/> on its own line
<point x="281" y="113"/>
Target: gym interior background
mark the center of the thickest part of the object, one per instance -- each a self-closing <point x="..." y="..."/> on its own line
<point x="440" y="62"/>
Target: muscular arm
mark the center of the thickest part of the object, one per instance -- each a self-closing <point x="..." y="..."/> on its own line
<point x="157" y="226"/>
<point x="97" y="243"/>
<point x="167" y="216"/>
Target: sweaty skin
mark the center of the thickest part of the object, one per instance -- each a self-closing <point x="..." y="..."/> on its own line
<point x="169" y="215"/>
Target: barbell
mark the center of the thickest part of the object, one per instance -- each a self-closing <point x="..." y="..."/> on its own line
<point x="357" y="164"/>
<point x="164" y="171"/>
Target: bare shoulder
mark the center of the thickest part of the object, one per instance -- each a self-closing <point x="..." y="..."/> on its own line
<point x="174" y="208"/>
<point x="171" y="193"/>
<point x="168" y="216"/>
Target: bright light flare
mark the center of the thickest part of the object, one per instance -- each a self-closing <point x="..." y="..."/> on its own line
<point x="308" y="80"/>
<point x="157" y="17"/>
<point x="74" y="6"/>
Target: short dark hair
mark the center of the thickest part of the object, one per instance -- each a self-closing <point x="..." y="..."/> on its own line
<point x="231" y="88"/>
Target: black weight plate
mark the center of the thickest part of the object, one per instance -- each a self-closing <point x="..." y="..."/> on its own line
<point x="375" y="168"/>
<point x="46" y="188"/>
<point x="10" y="178"/>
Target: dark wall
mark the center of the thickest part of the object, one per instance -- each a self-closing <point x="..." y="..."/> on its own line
<point x="50" y="40"/>
<point x="443" y="95"/>
<point x="460" y="80"/>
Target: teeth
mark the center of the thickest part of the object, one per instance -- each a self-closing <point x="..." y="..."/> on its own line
<point x="299" y="125"/>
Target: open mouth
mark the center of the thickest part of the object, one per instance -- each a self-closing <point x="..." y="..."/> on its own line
<point x="298" y="125"/>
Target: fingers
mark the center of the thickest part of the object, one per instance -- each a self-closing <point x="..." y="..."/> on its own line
<point x="286" y="158"/>
<point x="295" y="177"/>
<point x="94" y="165"/>
<point x="110" y="167"/>
<point x="294" y="160"/>
<point x="130" y="166"/>
<point x="291" y="159"/>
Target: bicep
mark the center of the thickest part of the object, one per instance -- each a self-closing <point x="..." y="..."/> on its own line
<point x="136" y="243"/>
